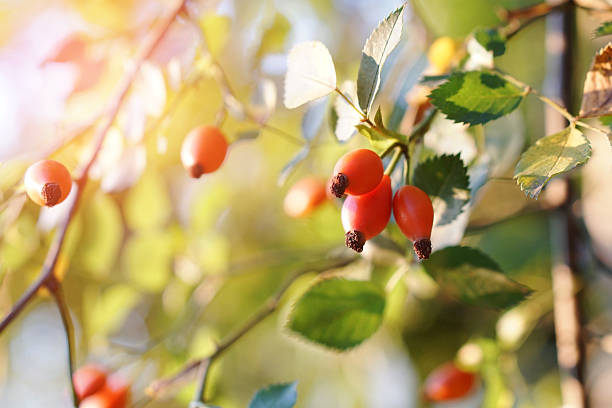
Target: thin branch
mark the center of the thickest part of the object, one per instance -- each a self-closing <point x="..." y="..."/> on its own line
<point x="46" y="274"/>
<point x="159" y="387"/>
<point x="58" y="296"/>
<point x="518" y="19"/>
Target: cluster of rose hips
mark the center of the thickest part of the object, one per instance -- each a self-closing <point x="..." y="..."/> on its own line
<point x="94" y="388"/>
<point x="49" y="182"/>
<point x="367" y="209"/>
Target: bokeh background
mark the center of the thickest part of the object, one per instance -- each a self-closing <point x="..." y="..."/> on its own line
<point x="159" y="267"/>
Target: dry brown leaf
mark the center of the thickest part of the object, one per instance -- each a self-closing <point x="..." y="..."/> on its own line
<point x="597" y="94"/>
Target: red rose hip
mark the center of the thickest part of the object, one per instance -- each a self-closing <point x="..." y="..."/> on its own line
<point x="365" y="216"/>
<point x="447" y="382"/>
<point x="203" y="150"/>
<point x="413" y="213"/>
<point x="357" y="172"/>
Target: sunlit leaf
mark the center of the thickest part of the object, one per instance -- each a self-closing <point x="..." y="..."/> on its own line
<point x="549" y="156"/>
<point x="476" y="97"/>
<point x="472" y="277"/>
<point x="273" y="38"/>
<point x="377" y="48"/>
<point x="597" y="93"/>
<point x="378" y="138"/>
<point x="338" y="313"/>
<point x="347" y="116"/>
<point x="275" y="396"/>
<point x="444" y="178"/>
<point x="310" y="74"/>
<point x="216" y="29"/>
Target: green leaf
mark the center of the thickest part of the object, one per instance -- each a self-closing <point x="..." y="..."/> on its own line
<point x="379" y="140"/>
<point x="606" y="121"/>
<point x="445" y="179"/>
<point x="549" y="156"/>
<point x="275" y="396"/>
<point x="377" y="48"/>
<point x="339" y="313"/>
<point x="378" y="120"/>
<point x="492" y="40"/>
<point x="476" y="97"/>
<point x="603" y="29"/>
<point x="471" y="276"/>
<point x="273" y="38"/>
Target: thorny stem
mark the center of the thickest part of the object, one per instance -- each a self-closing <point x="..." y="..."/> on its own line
<point x="46" y="277"/>
<point x="201" y="366"/>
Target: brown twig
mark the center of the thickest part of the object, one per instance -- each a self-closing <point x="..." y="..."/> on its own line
<point x="201" y="366"/>
<point x="47" y="277"/>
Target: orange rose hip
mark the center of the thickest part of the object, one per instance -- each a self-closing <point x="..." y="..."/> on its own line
<point x="47" y="182"/>
<point x="304" y="196"/>
<point x="203" y="150"/>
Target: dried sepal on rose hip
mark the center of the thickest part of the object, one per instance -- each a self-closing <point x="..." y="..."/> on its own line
<point x="365" y="216"/>
<point x="357" y="172"/>
<point x="414" y="214"/>
<point x="448" y="382"/>
<point x="203" y="150"/>
<point x="47" y="182"/>
<point x="304" y="197"/>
